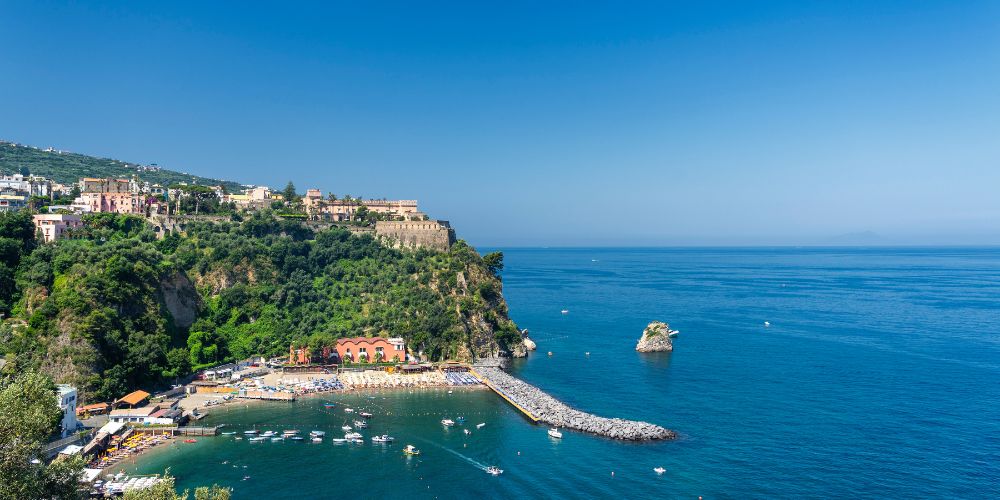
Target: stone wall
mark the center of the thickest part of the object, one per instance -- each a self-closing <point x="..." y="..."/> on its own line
<point x="434" y="234"/>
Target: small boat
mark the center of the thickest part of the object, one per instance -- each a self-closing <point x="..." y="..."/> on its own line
<point x="257" y="439"/>
<point x="550" y="353"/>
<point x="348" y="410"/>
<point x="317" y="434"/>
<point x="365" y="414"/>
<point x="449" y="392"/>
<point x="329" y="405"/>
<point x="297" y="438"/>
<point x="480" y="426"/>
<point x="190" y="440"/>
<point x="447" y="422"/>
<point x="352" y="435"/>
<point x="466" y="431"/>
<point x="659" y="470"/>
<point x="346" y="428"/>
<point x="290" y="432"/>
<point x="384" y="438"/>
<point x="338" y="440"/>
<point x="494" y="470"/>
<point x="411" y="450"/>
<point x="317" y="440"/>
<point x="228" y="433"/>
<point x="565" y="311"/>
<point x="555" y="433"/>
<point x="268" y="434"/>
<point x="238" y="438"/>
<point x="277" y="439"/>
<point x="246" y="477"/>
<point x="255" y="431"/>
<point x="767" y="324"/>
<point x="673" y="333"/>
<point x="460" y="420"/>
<point x="360" y="424"/>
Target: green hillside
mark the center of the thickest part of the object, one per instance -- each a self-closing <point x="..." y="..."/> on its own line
<point x="70" y="167"/>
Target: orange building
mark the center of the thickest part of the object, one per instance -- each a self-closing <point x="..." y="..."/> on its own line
<point x="368" y="349"/>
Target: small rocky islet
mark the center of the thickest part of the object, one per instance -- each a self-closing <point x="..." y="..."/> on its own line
<point x="656" y="338"/>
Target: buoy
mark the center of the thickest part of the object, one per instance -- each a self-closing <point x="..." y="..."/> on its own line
<point x="612" y="473"/>
<point x="550" y="353"/>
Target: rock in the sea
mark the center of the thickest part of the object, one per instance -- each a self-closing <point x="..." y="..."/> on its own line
<point x="529" y="344"/>
<point x="655" y="338"/>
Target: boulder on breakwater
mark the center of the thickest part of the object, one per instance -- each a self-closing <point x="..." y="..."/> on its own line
<point x="655" y="338"/>
<point x="550" y="411"/>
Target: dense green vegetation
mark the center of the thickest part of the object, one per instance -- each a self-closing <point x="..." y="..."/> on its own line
<point x="66" y="168"/>
<point x="112" y="308"/>
<point x="29" y="415"/>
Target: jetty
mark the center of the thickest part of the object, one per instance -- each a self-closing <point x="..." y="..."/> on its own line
<point x="540" y="407"/>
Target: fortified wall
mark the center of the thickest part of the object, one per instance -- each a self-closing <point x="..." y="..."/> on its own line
<point x="434" y="234"/>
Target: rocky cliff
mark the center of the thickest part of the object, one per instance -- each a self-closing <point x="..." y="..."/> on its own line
<point x="655" y="338"/>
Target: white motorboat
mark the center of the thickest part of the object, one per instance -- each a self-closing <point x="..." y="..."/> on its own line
<point x="348" y="410"/>
<point x="480" y="426"/>
<point x="268" y="434"/>
<point x="673" y="333"/>
<point x="346" y="428"/>
<point x="447" y="422"/>
<point x="659" y="470"/>
<point x="494" y="470"/>
<point x="352" y="435"/>
<point x="565" y="311"/>
<point x="339" y="440"/>
<point x="384" y="438"/>
<point x="276" y="439"/>
<point x="466" y="431"/>
<point x="411" y="450"/>
<point x="553" y="432"/>
<point x="360" y="424"/>
<point x="256" y="439"/>
<point x="317" y="434"/>
<point x="317" y="440"/>
<point x="251" y="432"/>
<point x="365" y="414"/>
<point x="767" y="324"/>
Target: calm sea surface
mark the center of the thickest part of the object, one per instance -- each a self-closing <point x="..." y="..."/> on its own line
<point x="879" y="376"/>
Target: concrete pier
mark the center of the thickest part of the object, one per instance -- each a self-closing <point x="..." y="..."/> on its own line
<point x="544" y="408"/>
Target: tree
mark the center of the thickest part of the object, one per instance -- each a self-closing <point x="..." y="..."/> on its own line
<point x="331" y="197"/>
<point x="494" y="262"/>
<point x="29" y="414"/>
<point x="25" y="171"/>
<point x="289" y="193"/>
<point x="164" y="490"/>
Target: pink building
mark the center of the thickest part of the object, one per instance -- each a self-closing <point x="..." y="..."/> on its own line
<point x="52" y="226"/>
<point x="122" y="203"/>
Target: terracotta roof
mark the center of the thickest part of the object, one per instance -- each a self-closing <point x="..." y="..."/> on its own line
<point x="134" y="398"/>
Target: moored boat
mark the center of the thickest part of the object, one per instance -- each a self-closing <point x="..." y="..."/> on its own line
<point x="318" y="434"/>
<point x="338" y="440"/>
<point x="346" y="428"/>
<point x="317" y="439"/>
<point x="277" y="439"/>
<point x="360" y="424"/>
<point x="348" y="410"/>
<point x="480" y="426"/>
<point x="659" y="470"/>
<point x="268" y="434"/>
<point x="365" y="414"/>
<point x="447" y="422"/>
<point x="553" y="432"/>
<point x="252" y="431"/>
<point x="384" y="438"/>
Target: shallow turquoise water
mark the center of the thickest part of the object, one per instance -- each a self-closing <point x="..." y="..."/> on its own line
<point x="878" y="376"/>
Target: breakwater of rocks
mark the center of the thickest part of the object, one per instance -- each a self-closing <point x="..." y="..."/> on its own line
<point x="551" y="411"/>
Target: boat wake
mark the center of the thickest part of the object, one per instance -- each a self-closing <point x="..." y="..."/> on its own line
<point x="468" y="460"/>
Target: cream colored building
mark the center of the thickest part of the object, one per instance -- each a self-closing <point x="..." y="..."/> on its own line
<point x="52" y="226"/>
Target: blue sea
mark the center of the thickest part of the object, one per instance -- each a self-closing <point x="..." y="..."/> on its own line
<point x="879" y="375"/>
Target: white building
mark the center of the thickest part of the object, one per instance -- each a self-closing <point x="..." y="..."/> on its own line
<point x="67" y="403"/>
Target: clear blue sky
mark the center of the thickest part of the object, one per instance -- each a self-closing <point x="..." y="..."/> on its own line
<point x="667" y="123"/>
